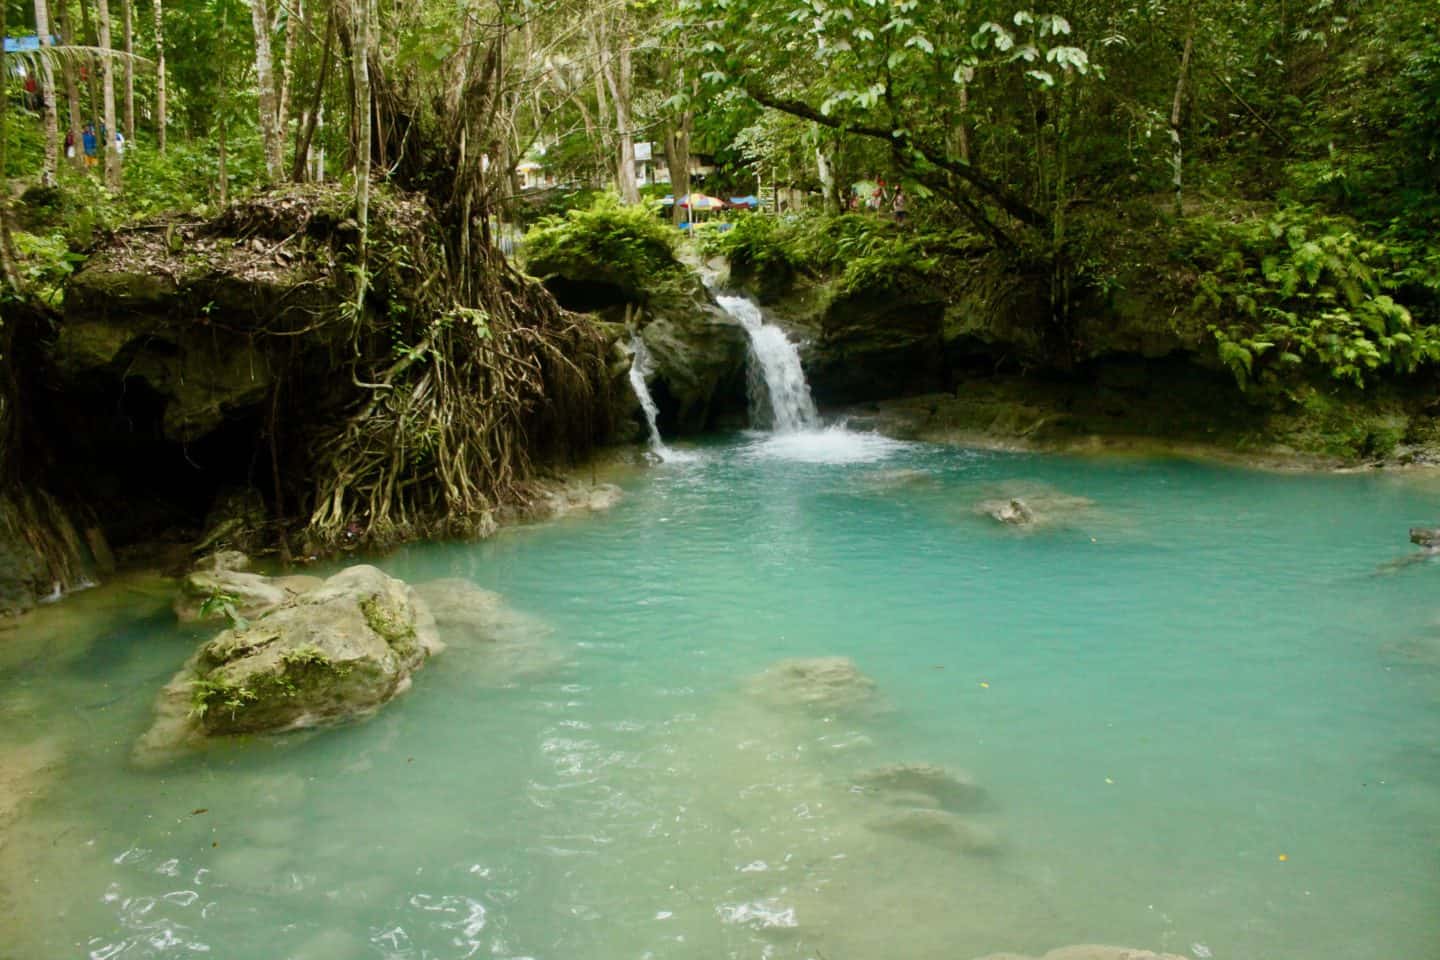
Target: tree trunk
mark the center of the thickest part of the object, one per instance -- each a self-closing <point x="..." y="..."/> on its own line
<point x="72" y="87"/>
<point x="265" y="80"/>
<point x="160" y="118"/>
<point x="360" y="16"/>
<point x="306" y="133"/>
<point x="602" y="102"/>
<point x="293" y="9"/>
<point x="127" y="21"/>
<point x="1176" y="156"/>
<point x="47" y="90"/>
<point x="9" y="275"/>
<point x="677" y="158"/>
<point x="826" y="172"/>
<point x="92" y="115"/>
<point x="107" y="135"/>
<point x="620" y="79"/>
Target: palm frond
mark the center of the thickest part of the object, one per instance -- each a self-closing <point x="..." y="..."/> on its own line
<point x="74" y="54"/>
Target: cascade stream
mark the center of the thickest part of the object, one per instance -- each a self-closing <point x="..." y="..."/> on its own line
<point x="777" y="381"/>
<point x="641" y="367"/>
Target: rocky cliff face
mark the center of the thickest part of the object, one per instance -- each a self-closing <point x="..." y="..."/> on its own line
<point x="970" y="363"/>
<point x="698" y="350"/>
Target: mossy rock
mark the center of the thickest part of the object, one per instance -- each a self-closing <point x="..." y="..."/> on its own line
<point x="335" y="653"/>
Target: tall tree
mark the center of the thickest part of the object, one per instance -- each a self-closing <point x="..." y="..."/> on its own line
<point x="296" y="16"/>
<point x="617" y="66"/>
<point x="361" y="13"/>
<point x="72" y="87"/>
<point x="265" y="79"/>
<point x="160" y="79"/>
<point x="107" y="132"/>
<point x="47" y="90"/>
<point x="127" y="21"/>
<point x="92" y="113"/>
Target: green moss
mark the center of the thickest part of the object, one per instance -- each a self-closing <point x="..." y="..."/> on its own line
<point x="389" y="623"/>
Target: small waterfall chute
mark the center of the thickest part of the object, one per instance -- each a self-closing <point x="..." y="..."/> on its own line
<point x="777" y="381"/>
<point x="641" y="367"/>
<point x="780" y="396"/>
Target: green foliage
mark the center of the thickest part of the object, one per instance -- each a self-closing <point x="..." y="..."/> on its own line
<point x="46" y="261"/>
<point x="1304" y="291"/>
<point x="756" y="242"/>
<point x="224" y="604"/>
<point x="866" y="253"/>
<point x="207" y="695"/>
<point x="627" y="246"/>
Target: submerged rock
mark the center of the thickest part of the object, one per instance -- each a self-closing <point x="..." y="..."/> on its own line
<point x="25" y="774"/>
<point x="1427" y="537"/>
<point x="338" y="652"/>
<point x="914" y="784"/>
<point x="1034" y="505"/>
<point x="938" y="828"/>
<point x="501" y="642"/>
<point x="1090" y="951"/>
<point x="817" y="683"/>
<point x="1009" y="511"/>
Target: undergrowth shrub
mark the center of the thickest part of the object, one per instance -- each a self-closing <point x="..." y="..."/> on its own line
<point x="626" y="246"/>
<point x="1303" y="292"/>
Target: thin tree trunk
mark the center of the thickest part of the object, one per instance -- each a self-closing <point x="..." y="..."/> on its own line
<point x="826" y="171"/>
<point x="93" y="114"/>
<point x="293" y="10"/>
<point x="160" y="117"/>
<point x="107" y="137"/>
<point x="8" y="272"/>
<point x="127" y="20"/>
<point x="1177" y="156"/>
<point x="306" y="134"/>
<point x="47" y="90"/>
<point x="602" y="102"/>
<point x="72" y="88"/>
<point x="677" y="158"/>
<point x="620" y="84"/>
<point x="265" y="80"/>
<point x="223" y="113"/>
<point x="361" y="13"/>
<point x="624" y="77"/>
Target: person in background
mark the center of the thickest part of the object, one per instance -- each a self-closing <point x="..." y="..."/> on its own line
<point x="897" y="203"/>
<point x="88" y="141"/>
<point x="70" y="144"/>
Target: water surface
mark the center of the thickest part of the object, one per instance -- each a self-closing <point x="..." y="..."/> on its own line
<point x="1202" y="720"/>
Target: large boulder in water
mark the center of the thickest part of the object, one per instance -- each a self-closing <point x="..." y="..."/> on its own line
<point x="822" y="684"/>
<point x="338" y="652"/>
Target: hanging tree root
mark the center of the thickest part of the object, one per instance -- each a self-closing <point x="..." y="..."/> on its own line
<point x="452" y="423"/>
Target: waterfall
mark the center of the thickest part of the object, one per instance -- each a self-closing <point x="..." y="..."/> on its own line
<point x="775" y="373"/>
<point x="640" y="368"/>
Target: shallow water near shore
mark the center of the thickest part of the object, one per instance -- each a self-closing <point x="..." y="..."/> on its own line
<point x="1202" y="718"/>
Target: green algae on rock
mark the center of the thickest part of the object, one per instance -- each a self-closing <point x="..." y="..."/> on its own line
<point x="336" y="653"/>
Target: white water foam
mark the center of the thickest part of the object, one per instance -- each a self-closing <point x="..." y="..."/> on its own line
<point x="834" y="445"/>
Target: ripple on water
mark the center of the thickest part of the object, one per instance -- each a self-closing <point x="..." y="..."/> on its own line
<point x="1151" y="719"/>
